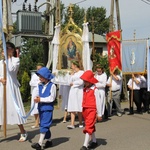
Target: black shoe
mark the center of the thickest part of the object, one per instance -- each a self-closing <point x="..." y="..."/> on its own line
<point x="36" y="146"/>
<point x="48" y="144"/>
<point x="93" y="145"/>
<point x="130" y="113"/>
<point x="139" y="112"/>
<point x="83" y="148"/>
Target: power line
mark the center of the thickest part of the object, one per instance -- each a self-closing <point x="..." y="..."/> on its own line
<point x="80" y="2"/>
<point x="147" y="2"/>
<point x="76" y="3"/>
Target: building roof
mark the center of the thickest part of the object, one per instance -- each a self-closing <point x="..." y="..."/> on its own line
<point x="97" y="38"/>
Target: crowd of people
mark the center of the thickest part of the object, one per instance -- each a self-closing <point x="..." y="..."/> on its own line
<point x="85" y="96"/>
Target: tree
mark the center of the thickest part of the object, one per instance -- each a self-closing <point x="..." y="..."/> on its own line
<point x="25" y="88"/>
<point x="78" y="16"/>
<point x="31" y="54"/>
<point x="101" y="25"/>
<point x="103" y="60"/>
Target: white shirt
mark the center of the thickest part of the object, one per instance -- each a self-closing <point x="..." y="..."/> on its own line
<point x="116" y="84"/>
<point x="102" y="79"/>
<point x="143" y="82"/>
<point x="50" y="98"/>
<point x="135" y="85"/>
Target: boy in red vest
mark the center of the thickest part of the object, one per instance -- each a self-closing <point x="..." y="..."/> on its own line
<point x="91" y="109"/>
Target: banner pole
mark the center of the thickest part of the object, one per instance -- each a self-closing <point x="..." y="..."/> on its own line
<point x="131" y="101"/>
<point x="5" y="103"/>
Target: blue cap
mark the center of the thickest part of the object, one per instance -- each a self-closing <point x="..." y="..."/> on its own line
<point x="45" y="73"/>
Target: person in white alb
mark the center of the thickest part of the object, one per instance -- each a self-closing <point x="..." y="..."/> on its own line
<point x="134" y="84"/>
<point x="101" y="76"/>
<point x="115" y="83"/>
<point x="13" y="95"/>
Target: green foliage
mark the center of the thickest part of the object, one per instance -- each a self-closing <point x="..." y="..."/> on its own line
<point x="31" y="53"/>
<point x="25" y="87"/>
<point x="78" y="16"/>
<point x="101" y="24"/>
<point x="103" y="61"/>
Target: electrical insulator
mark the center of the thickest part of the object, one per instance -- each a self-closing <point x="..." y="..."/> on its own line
<point x="25" y="1"/>
<point x="23" y="6"/>
<point x="29" y="7"/>
<point x="35" y="8"/>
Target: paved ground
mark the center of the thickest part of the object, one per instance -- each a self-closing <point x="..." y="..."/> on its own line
<point x="117" y="133"/>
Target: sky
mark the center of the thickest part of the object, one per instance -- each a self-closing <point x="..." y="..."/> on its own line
<point x="134" y="14"/>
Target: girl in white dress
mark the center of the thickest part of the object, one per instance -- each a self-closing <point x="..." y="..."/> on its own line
<point x="12" y="90"/>
<point x="34" y="83"/>
<point x="75" y="95"/>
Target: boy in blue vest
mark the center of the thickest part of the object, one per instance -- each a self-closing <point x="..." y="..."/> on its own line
<point x="92" y="107"/>
<point x="46" y="92"/>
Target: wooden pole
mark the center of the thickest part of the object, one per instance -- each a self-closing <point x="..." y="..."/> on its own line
<point x="118" y="15"/>
<point x="111" y="16"/>
<point x="131" y="103"/>
<point x="5" y="104"/>
<point x="93" y="44"/>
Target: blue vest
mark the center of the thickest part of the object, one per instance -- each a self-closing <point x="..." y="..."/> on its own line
<point x="41" y="105"/>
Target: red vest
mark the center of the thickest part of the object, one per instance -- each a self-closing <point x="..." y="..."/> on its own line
<point x="89" y="100"/>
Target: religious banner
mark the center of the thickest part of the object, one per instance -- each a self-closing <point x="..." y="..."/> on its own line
<point x="114" y="52"/>
<point x="134" y="56"/>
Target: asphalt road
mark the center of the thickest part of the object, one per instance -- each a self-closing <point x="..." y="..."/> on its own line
<point x="129" y="132"/>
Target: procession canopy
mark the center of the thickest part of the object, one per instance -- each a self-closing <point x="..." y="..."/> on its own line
<point x="70" y="44"/>
<point x="69" y="48"/>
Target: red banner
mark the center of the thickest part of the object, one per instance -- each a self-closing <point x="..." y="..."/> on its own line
<point x="114" y="52"/>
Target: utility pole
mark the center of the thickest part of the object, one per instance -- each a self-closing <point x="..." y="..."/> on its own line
<point x="57" y="14"/>
<point x="49" y="28"/>
<point x="118" y="15"/>
<point x="111" y="28"/>
<point x="111" y="21"/>
<point x="93" y="43"/>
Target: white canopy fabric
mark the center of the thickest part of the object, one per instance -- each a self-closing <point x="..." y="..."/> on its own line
<point x="86" y="53"/>
<point x="55" y="43"/>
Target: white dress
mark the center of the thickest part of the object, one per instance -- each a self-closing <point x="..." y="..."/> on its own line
<point x="12" y="90"/>
<point x="102" y="79"/>
<point x="34" y="83"/>
<point x="76" y="93"/>
<point x="64" y="92"/>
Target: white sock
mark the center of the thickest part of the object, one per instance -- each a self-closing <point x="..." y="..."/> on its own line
<point x="86" y="141"/>
<point x="93" y="137"/>
<point x="41" y="139"/>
